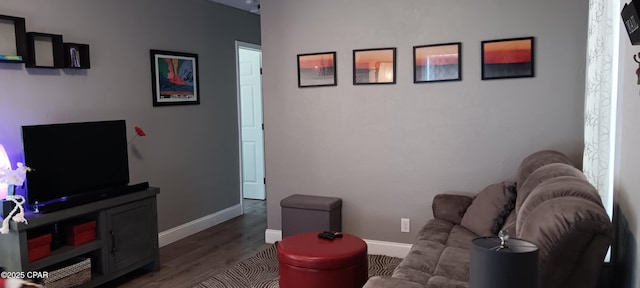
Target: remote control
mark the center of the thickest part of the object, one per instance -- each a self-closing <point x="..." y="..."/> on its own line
<point x="327" y="236"/>
<point x="335" y="234"/>
<point x="330" y="235"/>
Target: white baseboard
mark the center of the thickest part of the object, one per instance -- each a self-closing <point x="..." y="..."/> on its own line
<point x="393" y="249"/>
<point x="179" y="232"/>
<point x="271" y="236"/>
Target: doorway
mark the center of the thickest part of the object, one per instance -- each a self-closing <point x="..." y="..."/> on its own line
<point x="249" y="79"/>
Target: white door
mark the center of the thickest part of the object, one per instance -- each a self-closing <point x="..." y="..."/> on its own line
<point x="252" y="149"/>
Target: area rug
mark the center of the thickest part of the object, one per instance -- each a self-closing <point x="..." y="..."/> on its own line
<point x="261" y="271"/>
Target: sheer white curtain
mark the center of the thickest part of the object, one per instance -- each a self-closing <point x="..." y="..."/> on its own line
<point x="600" y="96"/>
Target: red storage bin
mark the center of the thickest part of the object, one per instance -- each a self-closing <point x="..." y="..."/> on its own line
<point x="39" y="247"/>
<point x="82" y="233"/>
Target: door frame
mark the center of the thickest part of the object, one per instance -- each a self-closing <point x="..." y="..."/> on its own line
<point x="250" y="46"/>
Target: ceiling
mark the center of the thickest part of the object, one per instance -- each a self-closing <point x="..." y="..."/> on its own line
<point x="252" y="6"/>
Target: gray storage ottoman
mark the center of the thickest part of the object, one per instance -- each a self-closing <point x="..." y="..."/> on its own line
<point x="306" y="213"/>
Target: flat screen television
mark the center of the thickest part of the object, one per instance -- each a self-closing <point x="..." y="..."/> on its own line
<point x="74" y="160"/>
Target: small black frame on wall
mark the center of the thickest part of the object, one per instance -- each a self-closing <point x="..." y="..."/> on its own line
<point x="76" y="56"/>
<point x="45" y="50"/>
<point x="317" y="69"/>
<point x="12" y="27"/>
<point x="374" y="66"/>
<point x="437" y="62"/>
<point x="508" y="58"/>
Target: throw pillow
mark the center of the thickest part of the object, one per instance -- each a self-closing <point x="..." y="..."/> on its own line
<point x="488" y="205"/>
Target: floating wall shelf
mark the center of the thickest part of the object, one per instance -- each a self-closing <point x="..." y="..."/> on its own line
<point x="76" y="56"/>
<point x="13" y="47"/>
<point x="45" y="50"/>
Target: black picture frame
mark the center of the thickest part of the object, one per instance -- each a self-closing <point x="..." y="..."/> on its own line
<point x="508" y="58"/>
<point x="317" y="69"/>
<point x="173" y="85"/>
<point x="374" y="66"/>
<point x="437" y="62"/>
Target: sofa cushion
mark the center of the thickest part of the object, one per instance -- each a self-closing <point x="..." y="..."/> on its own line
<point x="420" y="264"/>
<point x="537" y="160"/>
<point x="543" y="174"/>
<point x="437" y="262"/>
<point x="444" y="282"/>
<point x="450" y="207"/>
<point x="454" y="264"/>
<point x="435" y="230"/>
<point x="460" y="237"/>
<point x="485" y="208"/>
<point x="562" y="188"/>
<point x="389" y="282"/>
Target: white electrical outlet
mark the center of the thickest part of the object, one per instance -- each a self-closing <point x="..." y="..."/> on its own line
<point x="405" y="225"/>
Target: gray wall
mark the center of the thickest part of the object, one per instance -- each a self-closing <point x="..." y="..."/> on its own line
<point x="388" y="149"/>
<point x="627" y="183"/>
<point x="191" y="152"/>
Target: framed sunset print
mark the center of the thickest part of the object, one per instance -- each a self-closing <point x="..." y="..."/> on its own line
<point x="374" y="66"/>
<point x="174" y="78"/>
<point x="508" y="58"/>
<point x="317" y="69"/>
<point x="437" y="63"/>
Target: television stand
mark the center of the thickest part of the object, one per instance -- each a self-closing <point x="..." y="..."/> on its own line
<point x="126" y="237"/>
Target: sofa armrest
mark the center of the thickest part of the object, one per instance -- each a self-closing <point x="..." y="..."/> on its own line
<point x="450" y="207"/>
<point x="388" y="282"/>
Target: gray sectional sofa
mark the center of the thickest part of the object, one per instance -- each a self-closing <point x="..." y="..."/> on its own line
<point x="550" y="204"/>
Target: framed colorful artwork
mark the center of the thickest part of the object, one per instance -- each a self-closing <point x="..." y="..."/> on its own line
<point x="317" y="69"/>
<point x="437" y="63"/>
<point x="508" y="58"/>
<point x="175" y="78"/>
<point x="374" y="66"/>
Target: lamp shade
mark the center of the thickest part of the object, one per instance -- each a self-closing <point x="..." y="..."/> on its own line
<point x="508" y="265"/>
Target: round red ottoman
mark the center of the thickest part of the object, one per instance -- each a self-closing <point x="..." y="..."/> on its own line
<point x="311" y="262"/>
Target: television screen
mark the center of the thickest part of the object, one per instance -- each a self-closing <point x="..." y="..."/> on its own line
<point x="72" y="159"/>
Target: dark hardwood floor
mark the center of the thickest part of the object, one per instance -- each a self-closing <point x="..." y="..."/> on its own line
<point x="189" y="261"/>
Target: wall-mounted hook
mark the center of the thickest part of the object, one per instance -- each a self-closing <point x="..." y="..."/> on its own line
<point x="635" y="58"/>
